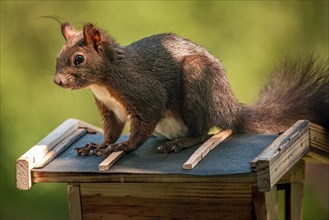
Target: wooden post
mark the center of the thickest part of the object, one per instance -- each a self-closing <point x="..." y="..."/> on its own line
<point x="271" y="201"/>
<point x="265" y="204"/>
<point x="296" y="201"/>
<point x="74" y="197"/>
<point x="294" y="196"/>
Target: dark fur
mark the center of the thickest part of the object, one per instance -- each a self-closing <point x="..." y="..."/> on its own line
<point x="165" y="73"/>
<point x="295" y="90"/>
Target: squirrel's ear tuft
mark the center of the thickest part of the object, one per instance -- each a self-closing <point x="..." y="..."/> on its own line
<point x="91" y="35"/>
<point x="68" y="31"/>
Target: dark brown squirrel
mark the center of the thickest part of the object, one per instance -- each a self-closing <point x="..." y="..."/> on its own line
<point x="171" y="87"/>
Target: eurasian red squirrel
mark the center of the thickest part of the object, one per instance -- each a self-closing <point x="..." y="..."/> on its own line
<point x="171" y="87"/>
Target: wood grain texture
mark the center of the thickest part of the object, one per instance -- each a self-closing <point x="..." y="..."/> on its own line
<point x="296" y="174"/>
<point x="90" y="128"/>
<point x="27" y="161"/>
<point x="61" y="147"/>
<point x="319" y="141"/>
<point x="166" y="201"/>
<point x="281" y="155"/>
<point x="265" y="204"/>
<point x="74" y="198"/>
<point x="277" y="144"/>
<point x="110" y="160"/>
<point x="271" y="201"/>
<point x="57" y="177"/>
<point x="296" y="200"/>
<point x="205" y="148"/>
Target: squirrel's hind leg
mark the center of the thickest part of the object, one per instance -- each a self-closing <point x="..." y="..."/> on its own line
<point x="180" y="144"/>
<point x="197" y="71"/>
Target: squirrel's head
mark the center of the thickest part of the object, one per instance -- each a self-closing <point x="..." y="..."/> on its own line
<point x="80" y="60"/>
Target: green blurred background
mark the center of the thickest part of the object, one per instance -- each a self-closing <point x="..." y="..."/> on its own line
<point x="248" y="36"/>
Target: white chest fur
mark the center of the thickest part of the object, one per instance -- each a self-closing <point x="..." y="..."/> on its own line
<point x="103" y="95"/>
<point x="171" y="128"/>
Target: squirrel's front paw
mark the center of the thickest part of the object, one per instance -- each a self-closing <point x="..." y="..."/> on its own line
<point x="112" y="148"/>
<point x="92" y="147"/>
<point x="86" y="149"/>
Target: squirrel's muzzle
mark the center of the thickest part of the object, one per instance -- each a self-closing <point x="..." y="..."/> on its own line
<point x="68" y="81"/>
<point x="57" y="80"/>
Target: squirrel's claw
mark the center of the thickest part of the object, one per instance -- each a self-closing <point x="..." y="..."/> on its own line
<point x="169" y="147"/>
<point x="86" y="149"/>
<point x="90" y="148"/>
<point x="180" y="144"/>
<point x="111" y="148"/>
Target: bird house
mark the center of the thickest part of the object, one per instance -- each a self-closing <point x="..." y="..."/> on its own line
<point x="238" y="179"/>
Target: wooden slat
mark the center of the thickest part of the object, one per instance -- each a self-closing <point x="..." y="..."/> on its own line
<point x="61" y="147"/>
<point x="57" y="177"/>
<point x="27" y="161"/>
<point x="110" y="160"/>
<point x="296" y="174"/>
<point x="277" y="159"/>
<point x="269" y="172"/>
<point x="277" y="143"/>
<point x="316" y="157"/>
<point x="89" y="127"/>
<point x="205" y="148"/>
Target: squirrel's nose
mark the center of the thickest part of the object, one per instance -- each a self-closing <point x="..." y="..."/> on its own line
<point x="57" y="80"/>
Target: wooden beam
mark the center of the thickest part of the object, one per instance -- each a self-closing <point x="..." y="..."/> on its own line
<point x="89" y="127"/>
<point x="275" y="145"/>
<point x="27" y="161"/>
<point x="296" y="174"/>
<point x="40" y="176"/>
<point x="205" y="148"/>
<point x="110" y="160"/>
<point x="280" y="156"/>
<point x="61" y="147"/>
<point x="319" y="141"/>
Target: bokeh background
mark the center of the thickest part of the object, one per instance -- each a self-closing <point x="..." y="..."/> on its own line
<point x="248" y="36"/>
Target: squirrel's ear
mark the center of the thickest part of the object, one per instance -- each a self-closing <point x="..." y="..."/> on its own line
<point x="68" y="31"/>
<point x="91" y="35"/>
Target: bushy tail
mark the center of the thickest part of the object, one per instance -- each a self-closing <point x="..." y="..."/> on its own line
<point x="294" y="90"/>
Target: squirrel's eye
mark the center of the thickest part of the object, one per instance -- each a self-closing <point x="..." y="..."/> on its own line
<point x="78" y="59"/>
